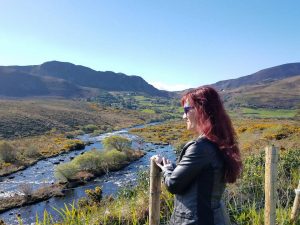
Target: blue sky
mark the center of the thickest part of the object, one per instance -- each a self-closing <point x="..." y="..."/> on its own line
<point x="171" y="44"/>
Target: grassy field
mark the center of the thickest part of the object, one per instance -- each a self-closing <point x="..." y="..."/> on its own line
<point x="269" y="113"/>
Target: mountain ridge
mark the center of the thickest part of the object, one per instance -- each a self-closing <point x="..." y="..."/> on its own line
<point x="80" y="77"/>
<point x="262" y="76"/>
<point x="62" y="79"/>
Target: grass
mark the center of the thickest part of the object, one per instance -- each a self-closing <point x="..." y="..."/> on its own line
<point x="44" y="146"/>
<point x="244" y="199"/>
<point x="269" y="113"/>
<point x="46" y="123"/>
<point x="38" y="117"/>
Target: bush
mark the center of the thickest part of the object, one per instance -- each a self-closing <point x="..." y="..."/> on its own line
<point x="8" y="154"/>
<point x="89" y="128"/>
<point x="32" y="152"/>
<point x="89" y="161"/>
<point x="94" y="196"/>
<point x="114" y="157"/>
<point x="65" y="172"/>
<point x="117" y="142"/>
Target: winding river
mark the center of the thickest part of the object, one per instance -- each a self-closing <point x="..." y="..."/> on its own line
<point x="42" y="174"/>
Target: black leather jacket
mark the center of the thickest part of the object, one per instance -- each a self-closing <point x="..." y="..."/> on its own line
<point x="197" y="182"/>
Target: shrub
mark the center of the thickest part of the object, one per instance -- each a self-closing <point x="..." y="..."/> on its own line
<point x="89" y="128"/>
<point x="116" y="142"/>
<point x="89" y="161"/>
<point x="94" y="196"/>
<point x="32" y="152"/>
<point x="8" y="154"/>
<point x="65" y="172"/>
<point x="114" y="157"/>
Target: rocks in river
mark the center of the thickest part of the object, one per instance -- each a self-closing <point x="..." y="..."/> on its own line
<point x="57" y="162"/>
<point x="71" y="157"/>
<point x="161" y="143"/>
<point x="61" y="160"/>
<point x="11" y="177"/>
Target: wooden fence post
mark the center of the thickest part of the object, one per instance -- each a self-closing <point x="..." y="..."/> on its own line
<point x="296" y="205"/>
<point x="270" y="184"/>
<point x="155" y="188"/>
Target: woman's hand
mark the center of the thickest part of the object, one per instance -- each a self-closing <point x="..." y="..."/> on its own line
<point x="162" y="162"/>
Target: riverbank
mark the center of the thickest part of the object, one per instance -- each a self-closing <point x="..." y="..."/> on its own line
<point x="25" y="155"/>
<point x="31" y="198"/>
<point x="59" y="189"/>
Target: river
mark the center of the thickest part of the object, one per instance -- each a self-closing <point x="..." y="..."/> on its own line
<point x="42" y="174"/>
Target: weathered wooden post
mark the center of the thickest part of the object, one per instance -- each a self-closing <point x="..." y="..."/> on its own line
<point x="270" y="184"/>
<point x="154" y="199"/>
<point x="296" y="205"/>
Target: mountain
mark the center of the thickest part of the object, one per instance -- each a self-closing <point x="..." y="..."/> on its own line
<point x="275" y="87"/>
<point x="261" y="77"/>
<point x="283" y="94"/>
<point x="67" y="80"/>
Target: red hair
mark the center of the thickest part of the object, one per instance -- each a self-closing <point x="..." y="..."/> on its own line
<point x="215" y="124"/>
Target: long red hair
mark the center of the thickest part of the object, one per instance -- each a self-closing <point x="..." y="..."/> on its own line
<point x="215" y="124"/>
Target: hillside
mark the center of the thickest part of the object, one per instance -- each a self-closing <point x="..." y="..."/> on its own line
<point x="67" y="80"/>
<point x="275" y="87"/>
<point x="283" y="94"/>
<point x="22" y="118"/>
<point x="264" y="76"/>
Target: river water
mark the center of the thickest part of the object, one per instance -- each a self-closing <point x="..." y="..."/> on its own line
<point x="42" y="174"/>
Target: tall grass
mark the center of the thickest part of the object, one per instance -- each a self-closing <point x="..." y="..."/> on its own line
<point x="244" y="200"/>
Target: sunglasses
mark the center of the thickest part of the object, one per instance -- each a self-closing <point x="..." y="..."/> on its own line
<point x="187" y="109"/>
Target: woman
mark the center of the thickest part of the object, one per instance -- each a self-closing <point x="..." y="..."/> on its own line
<point x="205" y="164"/>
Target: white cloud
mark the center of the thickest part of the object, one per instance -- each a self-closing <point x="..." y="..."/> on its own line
<point x="169" y="87"/>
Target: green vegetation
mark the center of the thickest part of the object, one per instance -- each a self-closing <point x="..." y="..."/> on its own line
<point x="29" y="118"/>
<point x="244" y="199"/>
<point x="22" y="152"/>
<point x="93" y="163"/>
<point x="7" y="153"/>
<point x="48" y="124"/>
<point x="36" y="129"/>
<point x="161" y="108"/>
<point x="269" y="113"/>
<point x="253" y="134"/>
<point x="116" y="142"/>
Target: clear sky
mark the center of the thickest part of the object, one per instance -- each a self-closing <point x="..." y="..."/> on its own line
<point x="171" y="44"/>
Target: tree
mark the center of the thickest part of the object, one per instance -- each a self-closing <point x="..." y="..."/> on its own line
<point x="116" y="142"/>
